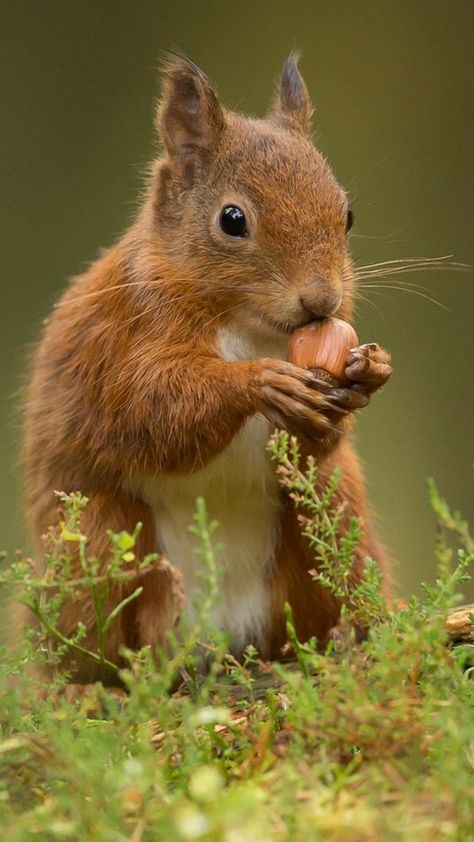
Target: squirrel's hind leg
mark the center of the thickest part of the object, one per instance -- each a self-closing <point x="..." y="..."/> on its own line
<point x="146" y="618"/>
<point x="315" y="610"/>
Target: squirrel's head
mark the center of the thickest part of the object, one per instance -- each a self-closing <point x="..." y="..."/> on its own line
<point x="247" y="209"/>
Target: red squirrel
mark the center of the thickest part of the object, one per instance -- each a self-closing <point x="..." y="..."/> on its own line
<point x="163" y="371"/>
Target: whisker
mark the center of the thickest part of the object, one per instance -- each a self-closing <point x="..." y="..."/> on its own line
<point x="399" y="282"/>
<point x="137" y="316"/>
<point x="106" y="290"/>
<point x="96" y="293"/>
<point x="280" y="280"/>
<point x="406" y="260"/>
<point x="389" y="236"/>
<point x="398" y="285"/>
<point x="186" y="295"/>
<point x="365" y="300"/>
<point x="384" y="273"/>
<point x="380" y="287"/>
<point x="361" y="273"/>
<point x="403" y="282"/>
<point x="394" y="270"/>
<point x="221" y="313"/>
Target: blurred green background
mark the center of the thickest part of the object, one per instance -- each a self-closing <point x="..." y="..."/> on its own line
<point x="393" y="88"/>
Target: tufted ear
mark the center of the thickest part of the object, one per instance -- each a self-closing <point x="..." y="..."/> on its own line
<point x="292" y="106"/>
<point x="190" y="118"/>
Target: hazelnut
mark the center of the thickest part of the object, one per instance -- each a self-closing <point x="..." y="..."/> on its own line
<point x="323" y="346"/>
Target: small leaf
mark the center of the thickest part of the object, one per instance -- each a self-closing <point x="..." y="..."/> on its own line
<point x="67" y="535"/>
<point x="124" y="540"/>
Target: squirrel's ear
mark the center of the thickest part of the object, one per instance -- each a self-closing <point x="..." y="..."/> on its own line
<point x="293" y="106"/>
<point x="190" y="118"/>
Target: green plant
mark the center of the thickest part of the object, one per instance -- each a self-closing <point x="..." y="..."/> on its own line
<point x="366" y="742"/>
<point x="321" y="521"/>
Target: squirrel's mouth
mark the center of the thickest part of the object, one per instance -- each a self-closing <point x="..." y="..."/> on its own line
<point x="276" y="324"/>
<point x="282" y="327"/>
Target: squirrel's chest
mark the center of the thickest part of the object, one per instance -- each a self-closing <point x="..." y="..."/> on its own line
<point x="241" y="492"/>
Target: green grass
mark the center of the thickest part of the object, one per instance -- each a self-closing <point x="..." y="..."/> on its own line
<point x="362" y="742"/>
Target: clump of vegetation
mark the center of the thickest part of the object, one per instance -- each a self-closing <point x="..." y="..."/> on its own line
<point x="371" y="741"/>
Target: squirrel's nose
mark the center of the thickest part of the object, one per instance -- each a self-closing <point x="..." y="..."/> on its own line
<point x="322" y="305"/>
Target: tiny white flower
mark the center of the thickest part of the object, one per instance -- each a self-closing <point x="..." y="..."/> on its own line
<point x="212" y="716"/>
<point x="205" y="784"/>
<point x="191" y="823"/>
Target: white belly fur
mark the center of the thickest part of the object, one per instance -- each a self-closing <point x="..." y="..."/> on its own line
<point x="241" y="492"/>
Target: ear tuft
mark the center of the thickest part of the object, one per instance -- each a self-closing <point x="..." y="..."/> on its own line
<point x="293" y="106"/>
<point x="190" y="118"/>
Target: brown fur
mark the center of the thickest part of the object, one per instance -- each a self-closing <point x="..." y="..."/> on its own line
<point x="126" y="379"/>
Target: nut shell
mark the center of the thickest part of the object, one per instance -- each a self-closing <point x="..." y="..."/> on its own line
<point x="323" y="346"/>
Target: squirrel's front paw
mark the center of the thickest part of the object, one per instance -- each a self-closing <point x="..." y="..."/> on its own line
<point x="290" y="397"/>
<point x="369" y="367"/>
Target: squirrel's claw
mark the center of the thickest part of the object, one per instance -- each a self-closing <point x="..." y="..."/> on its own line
<point x="369" y="367"/>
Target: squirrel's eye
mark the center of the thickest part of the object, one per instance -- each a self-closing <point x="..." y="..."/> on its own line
<point x="232" y="221"/>
<point x="349" y="220"/>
